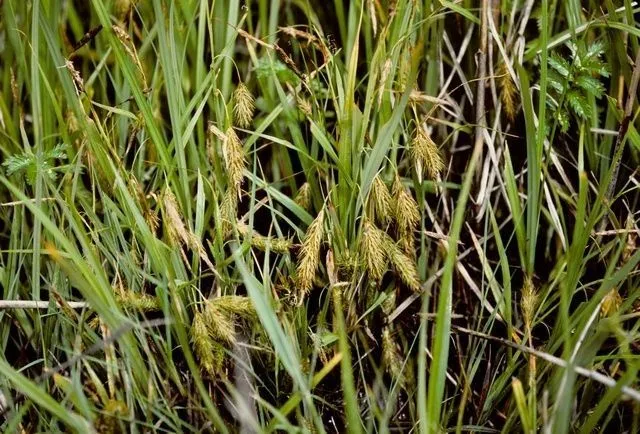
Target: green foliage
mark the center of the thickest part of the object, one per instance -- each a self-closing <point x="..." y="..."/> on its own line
<point x="573" y="79"/>
<point x="29" y="164"/>
<point x="305" y="216"/>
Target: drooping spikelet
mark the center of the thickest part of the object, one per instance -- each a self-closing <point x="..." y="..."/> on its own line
<point x="219" y="323"/>
<point x="75" y="75"/>
<point x="228" y="210"/>
<point x="372" y="248"/>
<point x="426" y="155"/>
<point x="235" y="305"/>
<point x="203" y="345"/>
<point x="304" y="106"/>
<point x="178" y="232"/>
<point x="406" y="213"/>
<point x="310" y="253"/>
<point x="303" y="198"/>
<point x="382" y="200"/>
<point x="403" y="264"/>
<point x="137" y="301"/>
<point x="611" y="303"/>
<point x="384" y="75"/>
<point x="389" y="304"/>
<point x="271" y="244"/>
<point x="234" y="158"/>
<point x="243" y="106"/>
<point x="391" y="357"/>
<point x="130" y="48"/>
<point x="508" y="92"/>
<point x="529" y="303"/>
<point x="404" y="70"/>
<point x="176" y="229"/>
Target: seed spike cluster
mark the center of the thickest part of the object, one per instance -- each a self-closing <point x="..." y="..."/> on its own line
<point x="220" y="326"/>
<point x="228" y="210"/>
<point x="213" y="330"/>
<point x="303" y="198"/>
<point x="384" y="75"/>
<point x="407" y="214"/>
<point x="203" y="345"/>
<point x="529" y="302"/>
<point x="426" y="155"/>
<point x="234" y="158"/>
<point x="391" y="358"/>
<point x="310" y="253"/>
<point x="177" y="232"/>
<point x="382" y="201"/>
<point x="403" y="264"/>
<point x="508" y="92"/>
<point x="176" y="229"/>
<point x="389" y="304"/>
<point x="372" y="247"/>
<point x="131" y="51"/>
<point x="235" y="305"/>
<point x="611" y="303"/>
<point x="304" y="106"/>
<point x="243" y="106"/>
<point x="261" y="242"/>
<point x="137" y="301"/>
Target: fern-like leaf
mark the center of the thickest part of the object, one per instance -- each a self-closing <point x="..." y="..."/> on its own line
<point x="590" y="85"/>
<point x="17" y="163"/>
<point x="579" y="104"/>
<point x="560" y="65"/>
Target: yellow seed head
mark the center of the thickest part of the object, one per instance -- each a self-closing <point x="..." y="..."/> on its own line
<point x="203" y="344"/>
<point x="234" y="158"/>
<point x="403" y="264"/>
<point x="372" y="247"/>
<point x="137" y="301"/>
<point x="310" y="253"/>
<point x="219" y="323"/>
<point x="303" y="198"/>
<point x="305" y="106"/>
<point x="271" y="244"/>
<point x="75" y="75"/>
<point x="243" y="106"/>
<point x="384" y="75"/>
<point x="391" y="357"/>
<point x="508" y="92"/>
<point x="407" y="214"/>
<point x="382" y="201"/>
<point x="176" y="229"/>
<point x="228" y="210"/>
<point x="426" y="155"/>
<point x="130" y="48"/>
<point x="529" y="302"/>
<point x="235" y="305"/>
<point x="611" y="303"/>
<point x="389" y="304"/>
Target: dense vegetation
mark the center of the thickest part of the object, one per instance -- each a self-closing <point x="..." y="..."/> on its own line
<point x="319" y="216"/>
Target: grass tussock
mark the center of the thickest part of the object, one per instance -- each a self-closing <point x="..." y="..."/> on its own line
<point x="304" y="216"/>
